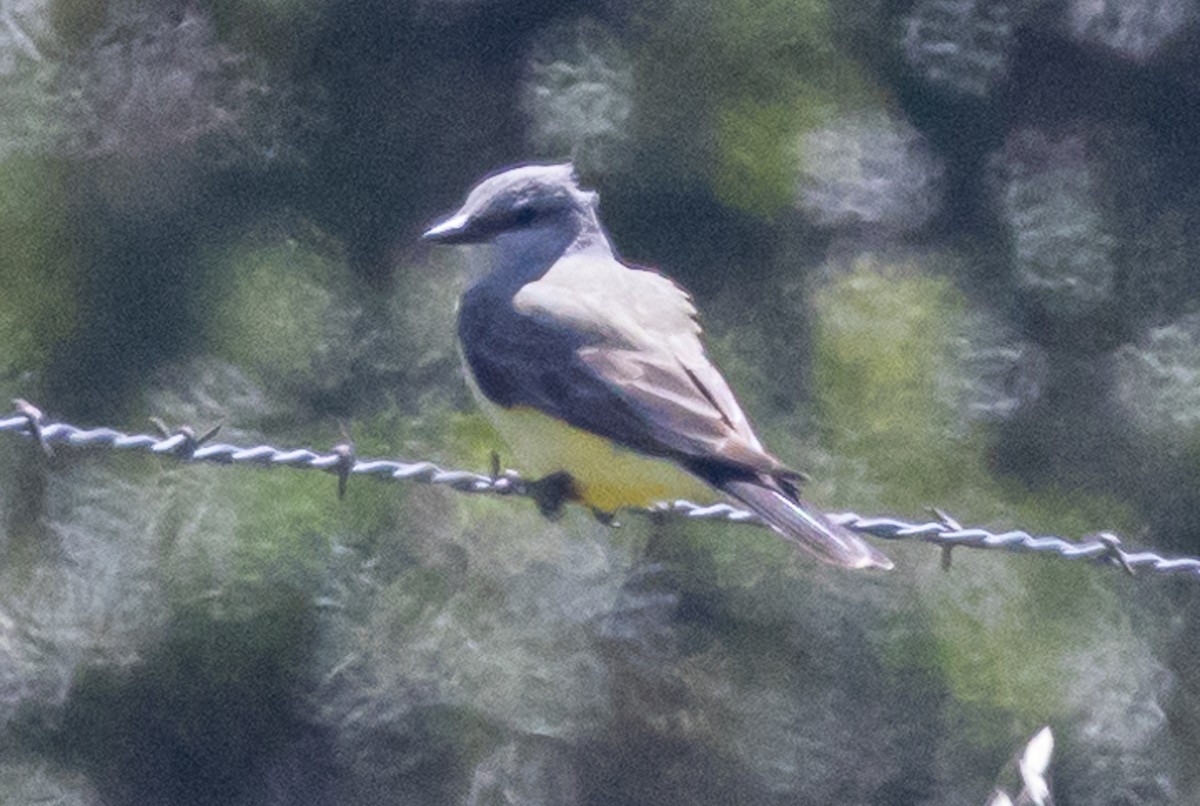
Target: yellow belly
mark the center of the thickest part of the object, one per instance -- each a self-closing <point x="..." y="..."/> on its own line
<point x="608" y="477"/>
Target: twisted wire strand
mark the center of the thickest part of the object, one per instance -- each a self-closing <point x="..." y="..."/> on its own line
<point x="945" y="532"/>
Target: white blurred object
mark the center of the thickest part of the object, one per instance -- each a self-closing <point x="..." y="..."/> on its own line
<point x="1032" y="765"/>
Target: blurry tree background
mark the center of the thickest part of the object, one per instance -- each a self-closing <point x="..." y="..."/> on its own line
<point x="947" y="254"/>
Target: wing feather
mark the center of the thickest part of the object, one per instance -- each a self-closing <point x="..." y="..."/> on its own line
<point x="638" y="338"/>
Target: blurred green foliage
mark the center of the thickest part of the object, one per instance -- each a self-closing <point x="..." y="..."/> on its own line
<point x="755" y="75"/>
<point x="887" y="348"/>
<point x="884" y="338"/>
<point x="272" y="306"/>
<point x="38" y="263"/>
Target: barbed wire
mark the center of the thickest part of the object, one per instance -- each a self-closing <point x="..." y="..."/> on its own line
<point x="184" y="444"/>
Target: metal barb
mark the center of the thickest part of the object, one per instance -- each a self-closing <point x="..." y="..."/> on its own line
<point x="182" y="441"/>
<point x="344" y="451"/>
<point x="33" y="421"/>
<point x="953" y="526"/>
<point x="346" y="455"/>
<point x="1115" y="553"/>
<point x="945" y="532"/>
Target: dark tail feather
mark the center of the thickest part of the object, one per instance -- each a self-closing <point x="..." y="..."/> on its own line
<point x="808" y="529"/>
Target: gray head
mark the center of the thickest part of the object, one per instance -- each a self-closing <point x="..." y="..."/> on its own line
<point x="528" y="198"/>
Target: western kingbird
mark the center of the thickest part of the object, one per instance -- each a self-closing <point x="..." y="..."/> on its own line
<point x="594" y="373"/>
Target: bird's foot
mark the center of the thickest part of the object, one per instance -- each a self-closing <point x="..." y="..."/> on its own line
<point x="551" y="493"/>
<point x="609" y="519"/>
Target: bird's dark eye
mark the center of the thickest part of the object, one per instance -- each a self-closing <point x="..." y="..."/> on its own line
<point x="524" y="216"/>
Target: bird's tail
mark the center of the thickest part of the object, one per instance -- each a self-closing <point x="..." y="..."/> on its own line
<point x="809" y="530"/>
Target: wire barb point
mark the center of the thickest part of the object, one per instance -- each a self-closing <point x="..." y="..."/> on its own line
<point x="1115" y="553"/>
<point x="346" y="459"/>
<point x="182" y="441"/>
<point x="34" y="419"/>
<point x="952" y="526"/>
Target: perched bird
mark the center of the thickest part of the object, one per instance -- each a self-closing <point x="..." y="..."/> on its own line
<point x="594" y="373"/>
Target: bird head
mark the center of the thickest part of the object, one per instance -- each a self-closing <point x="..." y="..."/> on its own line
<point x="518" y="199"/>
